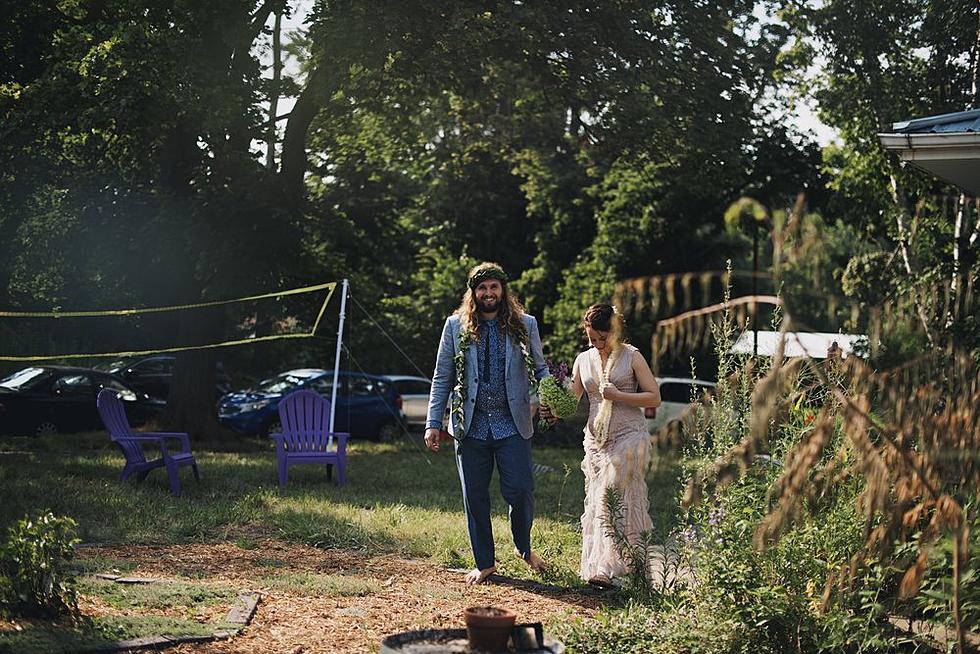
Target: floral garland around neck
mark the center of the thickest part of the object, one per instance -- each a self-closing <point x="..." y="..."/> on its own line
<point x="457" y="414"/>
<point x="600" y="425"/>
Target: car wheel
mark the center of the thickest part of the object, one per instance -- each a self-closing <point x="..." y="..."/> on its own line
<point x="389" y="431"/>
<point x="44" y="429"/>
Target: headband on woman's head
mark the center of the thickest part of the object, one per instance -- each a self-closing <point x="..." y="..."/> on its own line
<point x="483" y="274"/>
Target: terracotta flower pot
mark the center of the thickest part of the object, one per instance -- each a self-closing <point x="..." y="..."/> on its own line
<point x="488" y="628"/>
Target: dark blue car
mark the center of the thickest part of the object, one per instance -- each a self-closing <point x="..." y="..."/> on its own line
<point x="368" y="406"/>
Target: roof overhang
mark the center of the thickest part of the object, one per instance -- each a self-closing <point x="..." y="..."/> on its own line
<point x="952" y="156"/>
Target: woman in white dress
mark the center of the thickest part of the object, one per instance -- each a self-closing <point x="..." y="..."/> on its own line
<point x="617" y="445"/>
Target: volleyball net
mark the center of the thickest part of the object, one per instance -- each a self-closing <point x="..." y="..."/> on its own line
<point x="296" y="313"/>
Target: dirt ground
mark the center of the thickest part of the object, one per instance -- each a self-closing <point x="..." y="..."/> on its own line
<point x="413" y="595"/>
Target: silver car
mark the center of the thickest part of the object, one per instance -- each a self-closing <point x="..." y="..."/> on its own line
<point x="415" y="397"/>
<point x="675" y="397"/>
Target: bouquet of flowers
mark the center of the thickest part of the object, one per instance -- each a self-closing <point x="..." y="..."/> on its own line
<point x="556" y="393"/>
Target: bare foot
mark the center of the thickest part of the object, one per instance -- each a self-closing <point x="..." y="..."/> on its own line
<point x="536" y="562"/>
<point x="476" y="576"/>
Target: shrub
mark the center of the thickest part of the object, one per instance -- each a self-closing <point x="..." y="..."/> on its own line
<point x="34" y="575"/>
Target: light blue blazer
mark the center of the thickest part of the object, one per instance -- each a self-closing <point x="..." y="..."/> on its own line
<point x="515" y="378"/>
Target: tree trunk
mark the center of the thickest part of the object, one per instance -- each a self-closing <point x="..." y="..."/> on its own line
<point x="959" y="244"/>
<point x="191" y="405"/>
<point x="294" y="162"/>
<point x="975" y="70"/>
<point x="270" y="155"/>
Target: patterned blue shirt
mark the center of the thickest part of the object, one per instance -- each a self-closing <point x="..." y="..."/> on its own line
<point x="491" y="414"/>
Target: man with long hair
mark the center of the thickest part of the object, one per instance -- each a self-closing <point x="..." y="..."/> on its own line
<point x="489" y="354"/>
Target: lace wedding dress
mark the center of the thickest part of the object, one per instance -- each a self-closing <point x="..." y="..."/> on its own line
<point x="620" y="461"/>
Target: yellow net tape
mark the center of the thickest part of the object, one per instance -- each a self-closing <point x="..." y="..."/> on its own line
<point x="330" y="287"/>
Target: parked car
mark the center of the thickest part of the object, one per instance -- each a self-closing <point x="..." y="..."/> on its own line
<point x="675" y="397"/>
<point x="45" y="400"/>
<point x="415" y="397"/>
<point x="153" y="375"/>
<point x="368" y="406"/>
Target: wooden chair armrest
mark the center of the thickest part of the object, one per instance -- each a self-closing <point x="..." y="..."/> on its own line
<point x="341" y="437"/>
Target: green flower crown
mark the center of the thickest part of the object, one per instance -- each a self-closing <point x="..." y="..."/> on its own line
<point x="490" y="272"/>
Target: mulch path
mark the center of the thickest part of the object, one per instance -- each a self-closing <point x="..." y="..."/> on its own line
<point x="413" y="594"/>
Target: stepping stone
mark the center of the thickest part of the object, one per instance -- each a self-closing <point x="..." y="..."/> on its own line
<point x="243" y="609"/>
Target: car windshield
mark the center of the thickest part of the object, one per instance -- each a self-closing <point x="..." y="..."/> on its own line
<point x="21" y="377"/>
<point x="282" y="383"/>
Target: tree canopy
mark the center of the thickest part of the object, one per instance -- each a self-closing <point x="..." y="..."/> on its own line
<point x="577" y="143"/>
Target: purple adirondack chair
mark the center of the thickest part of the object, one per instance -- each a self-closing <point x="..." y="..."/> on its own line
<point x="305" y="437"/>
<point x="114" y="417"/>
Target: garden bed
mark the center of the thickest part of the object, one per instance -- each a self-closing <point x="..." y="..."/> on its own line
<point x="312" y="600"/>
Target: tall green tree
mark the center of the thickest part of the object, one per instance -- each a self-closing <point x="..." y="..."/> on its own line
<point x="576" y="143"/>
<point x="880" y="63"/>
<point x="589" y="140"/>
<point x="129" y="167"/>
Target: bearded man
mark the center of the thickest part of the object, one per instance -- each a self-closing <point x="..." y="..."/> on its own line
<point x="488" y="366"/>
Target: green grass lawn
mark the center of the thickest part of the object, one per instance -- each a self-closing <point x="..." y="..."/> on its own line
<point x="399" y="499"/>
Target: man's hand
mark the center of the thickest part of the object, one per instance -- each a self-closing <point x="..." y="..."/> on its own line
<point x="432" y="439"/>
<point x="545" y="414"/>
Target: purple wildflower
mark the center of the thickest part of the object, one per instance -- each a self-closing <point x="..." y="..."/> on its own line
<point x="560" y="371"/>
<point x="715" y="516"/>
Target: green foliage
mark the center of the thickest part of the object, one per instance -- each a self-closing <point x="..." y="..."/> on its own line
<point x="418" y="305"/>
<point x="817" y="256"/>
<point x="756" y="587"/>
<point x="587" y="281"/>
<point x="776" y="593"/>
<point x="773" y="594"/>
<point x="561" y="401"/>
<point x="655" y="563"/>
<point x="935" y="602"/>
<point x="576" y="147"/>
<point x="885" y="63"/>
<point x="870" y="279"/>
<point x="35" y="579"/>
<point x="745" y="215"/>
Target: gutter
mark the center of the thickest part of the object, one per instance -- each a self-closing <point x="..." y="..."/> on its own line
<point x="955" y="145"/>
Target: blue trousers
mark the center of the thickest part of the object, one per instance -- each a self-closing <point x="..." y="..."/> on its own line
<point x="475" y="459"/>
